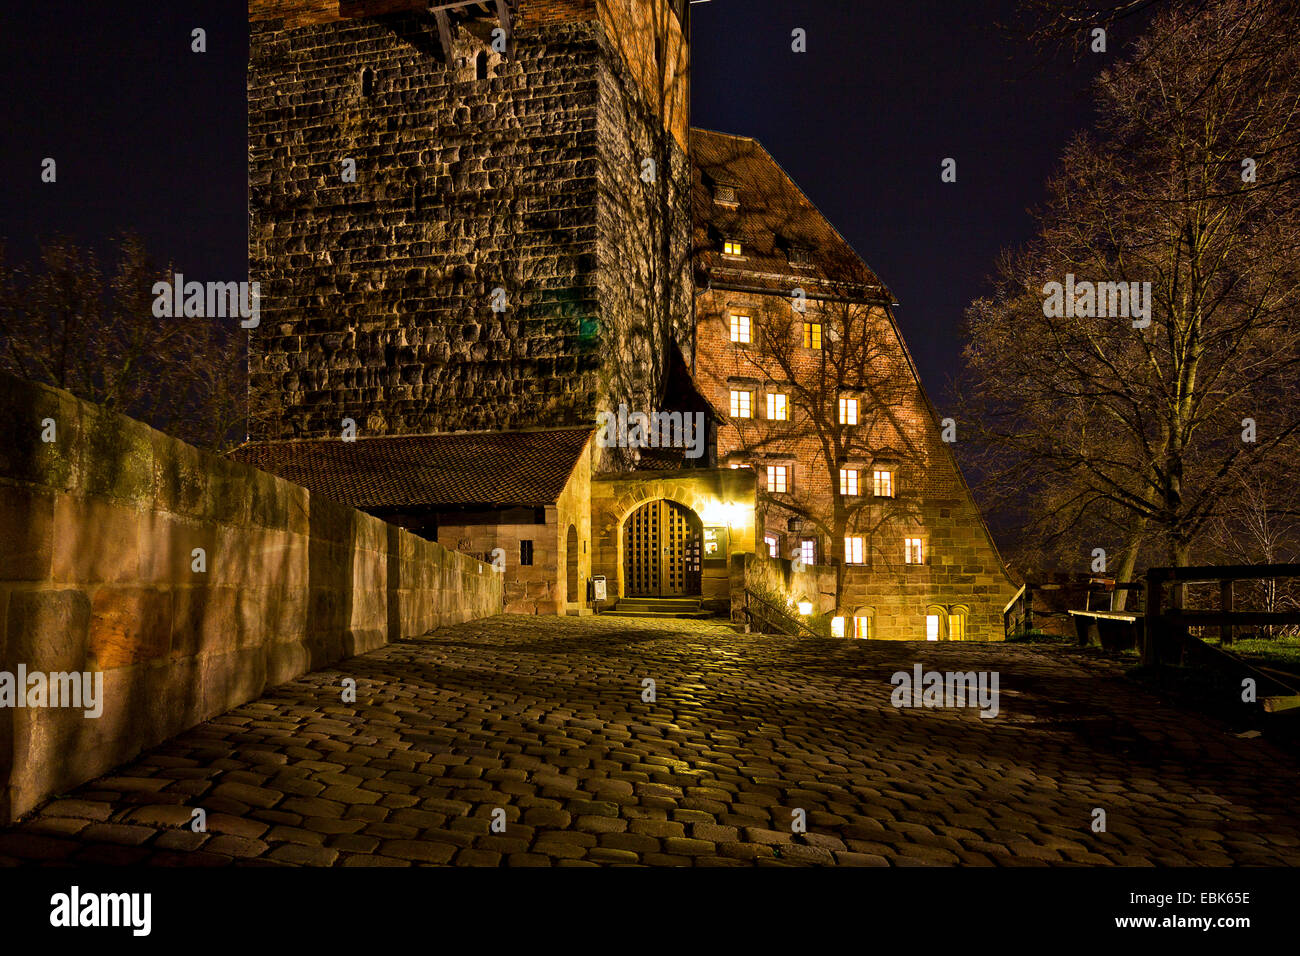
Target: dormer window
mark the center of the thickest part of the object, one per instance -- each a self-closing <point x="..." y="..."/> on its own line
<point x="731" y="247"/>
<point x="725" y="195"/>
<point x="799" y="255"/>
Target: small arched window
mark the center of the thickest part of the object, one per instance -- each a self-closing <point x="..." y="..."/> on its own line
<point x="864" y="623"/>
<point x="957" y="617"/>
<point x="936" y="620"/>
<point x="367" y="82"/>
<point x="480" y="65"/>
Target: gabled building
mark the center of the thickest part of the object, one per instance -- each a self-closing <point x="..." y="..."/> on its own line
<point x="796" y="343"/>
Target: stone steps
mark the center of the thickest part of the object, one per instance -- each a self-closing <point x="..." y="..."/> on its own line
<point x="660" y="607"/>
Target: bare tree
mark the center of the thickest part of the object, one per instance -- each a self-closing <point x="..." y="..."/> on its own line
<point x="1261" y="527"/>
<point x="850" y="395"/>
<point x="1188" y="185"/>
<point x="65" y="323"/>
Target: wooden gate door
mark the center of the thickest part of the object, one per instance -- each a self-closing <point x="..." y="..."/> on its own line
<point x="661" y="551"/>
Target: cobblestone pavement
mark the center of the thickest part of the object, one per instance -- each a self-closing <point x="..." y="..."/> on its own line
<point x="543" y="717"/>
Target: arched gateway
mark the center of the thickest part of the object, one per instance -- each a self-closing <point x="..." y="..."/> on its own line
<point x="661" y="550"/>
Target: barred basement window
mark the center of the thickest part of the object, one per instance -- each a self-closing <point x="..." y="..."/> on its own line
<point x="525" y="552"/>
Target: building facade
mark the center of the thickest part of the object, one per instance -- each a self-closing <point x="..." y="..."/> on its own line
<point x="484" y="230"/>
<point x="797" y="344"/>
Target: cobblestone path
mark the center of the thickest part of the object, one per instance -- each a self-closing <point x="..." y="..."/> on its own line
<point x="544" y="717"/>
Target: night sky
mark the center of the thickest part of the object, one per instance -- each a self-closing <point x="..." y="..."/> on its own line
<point x="151" y="136"/>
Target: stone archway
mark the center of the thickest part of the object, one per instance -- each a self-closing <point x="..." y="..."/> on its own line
<point x="571" y="581"/>
<point x="661" y="544"/>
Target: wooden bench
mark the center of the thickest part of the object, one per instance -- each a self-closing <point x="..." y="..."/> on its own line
<point x="1111" y="630"/>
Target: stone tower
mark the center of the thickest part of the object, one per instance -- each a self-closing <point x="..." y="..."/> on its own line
<point x="468" y="215"/>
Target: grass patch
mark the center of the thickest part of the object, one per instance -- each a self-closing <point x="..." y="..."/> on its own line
<point x="1281" y="653"/>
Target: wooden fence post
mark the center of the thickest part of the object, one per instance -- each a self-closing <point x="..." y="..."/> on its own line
<point x="1151" y="621"/>
<point x="1225" y="605"/>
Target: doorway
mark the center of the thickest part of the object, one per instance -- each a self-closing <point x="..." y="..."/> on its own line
<point x="661" y="550"/>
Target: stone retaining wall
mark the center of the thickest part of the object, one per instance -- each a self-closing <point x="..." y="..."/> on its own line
<point x="191" y="582"/>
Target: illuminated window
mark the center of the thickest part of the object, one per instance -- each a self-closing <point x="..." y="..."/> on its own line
<point x="778" y="407"/>
<point x="812" y="335"/>
<point x="848" y="411"/>
<point x="883" y="481"/>
<point x="957" y="624"/>
<point x="808" y="551"/>
<point x="777" y="478"/>
<point x="773" y="545"/>
<point x="741" y="404"/>
<point x="855" y="549"/>
<point x="837" y="627"/>
<point x="914" y="551"/>
<point x="848" y="481"/>
<point x="740" y="328"/>
<point x="731" y="248"/>
<point x="932" y="627"/>
<point x="862" y="624"/>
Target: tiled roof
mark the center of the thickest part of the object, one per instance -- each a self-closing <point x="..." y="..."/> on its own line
<point x="527" y="468"/>
<point x="772" y="219"/>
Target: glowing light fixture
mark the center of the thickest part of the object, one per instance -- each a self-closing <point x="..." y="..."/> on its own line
<point x="805" y="608"/>
<point x="723" y="513"/>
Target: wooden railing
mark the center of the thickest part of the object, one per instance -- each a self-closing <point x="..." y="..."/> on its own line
<point x="784" y="622"/>
<point x="1165" y="632"/>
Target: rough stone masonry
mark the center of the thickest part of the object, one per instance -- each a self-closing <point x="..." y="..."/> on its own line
<point x="482" y="178"/>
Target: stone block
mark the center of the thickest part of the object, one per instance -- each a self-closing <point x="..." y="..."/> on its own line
<point x="180" y="477"/>
<point x="204" y="621"/>
<point x="47" y="630"/>
<point x="129" y="625"/>
<point x="269" y="504"/>
<point x="229" y="495"/>
<point x="227" y="680"/>
<point x="116" y="456"/>
<point x="166" y="548"/>
<point x="285" y="661"/>
<point x="27" y="531"/>
<point x="95" y="541"/>
<point x="24" y="406"/>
